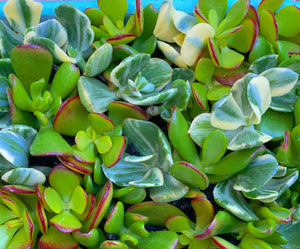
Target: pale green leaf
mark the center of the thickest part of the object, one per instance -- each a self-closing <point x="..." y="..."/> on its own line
<point x="183" y="21"/>
<point x="8" y="40"/>
<point x="284" y="103"/>
<point x="263" y="195"/>
<point x="264" y="63"/>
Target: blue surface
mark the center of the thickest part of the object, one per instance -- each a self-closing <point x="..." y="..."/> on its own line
<point x="184" y="5"/>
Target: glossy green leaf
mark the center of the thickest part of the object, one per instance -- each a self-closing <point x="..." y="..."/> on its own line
<point x="22" y="14"/>
<point x="20" y="240"/>
<point x="103" y="144"/>
<point x="286" y="17"/>
<point x="80" y="35"/>
<point x="204" y="70"/>
<point x="100" y="122"/>
<point x="6" y="235"/>
<point x="261" y="47"/>
<point x="204" y="211"/>
<point x="271" y="5"/>
<point x="89" y="239"/>
<point x="248" y="180"/>
<point x="264" y="63"/>
<point x="53" y="200"/>
<point x="200" y="92"/>
<point x="114" y="155"/>
<point x="284" y="103"/>
<point x="24" y="176"/>
<point x="66" y="222"/>
<point x="113" y="244"/>
<point x="217" y="92"/>
<point x="268" y="26"/>
<point x="116" y="10"/>
<point x="94" y="94"/>
<point x="220" y="8"/>
<point x="278" y="214"/>
<point x="220" y="242"/>
<point x="233" y="201"/>
<point x="99" y="60"/>
<point x="290" y="232"/>
<point x="78" y="200"/>
<point x="229" y="58"/>
<point x="114" y="222"/>
<point x="95" y="15"/>
<point x="154" y="239"/>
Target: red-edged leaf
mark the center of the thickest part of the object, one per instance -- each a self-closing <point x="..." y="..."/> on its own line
<point x="71" y="117"/>
<point x="121" y="39"/>
<point x="18" y="189"/>
<point x="199" y="16"/>
<point x="20" y="240"/>
<point x="200" y="92"/>
<point x="222" y="243"/>
<point x="74" y="164"/>
<point x="66" y="222"/>
<point x="139" y="18"/>
<point x="189" y="174"/>
<point x="230" y="76"/>
<point x="88" y="209"/>
<point x="119" y="111"/>
<point x="204" y="70"/>
<point x="95" y="15"/>
<point x="103" y="199"/>
<point x="271" y="5"/>
<point x="100" y="122"/>
<point x="41" y="218"/>
<point x="56" y="239"/>
<point x="114" y="155"/>
<point x="268" y="25"/>
<point x="214" y="52"/>
<point x="243" y="40"/>
<point x="204" y="211"/>
<point x="252" y="13"/>
<point x="28" y="225"/>
<point x="230" y="59"/>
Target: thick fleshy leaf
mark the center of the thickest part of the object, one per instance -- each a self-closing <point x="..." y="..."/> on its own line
<point x="42" y="220"/>
<point x="66" y="222"/>
<point x="76" y="165"/>
<point x="51" y="29"/>
<point x="103" y="199"/>
<point x="49" y="142"/>
<point x="229" y="58"/>
<point x="95" y="15"/>
<point x="53" y="200"/>
<point x="262" y="228"/>
<point x="233" y="201"/>
<point x="195" y="41"/>
<point x="217" y="92"/>
<point x="71" y="112"/>
<point x="31" y="63"/>
<point x="115" y="11"/>
<point x="243" y="40"/>
<point x="260" y="48"/>
<point x="9" y="39"/>
<point x="284" y="103"/>
<point x="189" y="174"/>
<point x="99" y="60"/>
<point x="77" y="25"/>
<point x="65" y="80"/>
<point x="24" y="176"/>
<point x="100" y="122"/>
<point x="13" y="148"/>
<point x="113" y="156"/>
<point x="20" y="240"/>
<point x="171" y="190"/>
<point x="200" y="92"/>
<point x="57" y="240"/>
<point x="205" y="6"/>
<point x="115" y="220"/>
<point x="278" y="214"/>
<point x="286" y="18"/>
<point x="180" y="139"/>
<point x="268" y="26"/>
<point x="222" y="243"/>
<point x="63" y="181"/>
<point x="119" y="111"/>
<point x="282" y="80"/>
<point x="22" y="14"/>
<point x="78" y="200"/>
<point x="263" y="195"/>
<point x="5" y="66"/>
<point x="171" y="54"/>
<point x="94" y="94"/>
<point x="157" y="212"/>
<point x="204" y="211"/>
<point x="179" y="224"/>
<point x="290" y="232"/>
<point x="89" y="239"/>
<point x="271" y="5"/>
<point x="204" y="70"/>
<point x="183" y="21"/>
<point x="159" y="239"/>
<point x="235" y="14"/>
<point x="248" y="180"/>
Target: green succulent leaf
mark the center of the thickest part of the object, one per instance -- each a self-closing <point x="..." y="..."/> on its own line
<point x="263" y="195"/>
<point x="284" y="103"/>
<point x="94" y="94"/>
<point x="53" y="200"/>
<point x="4" y="84"/>
<point x="77" y="25"/>
<point x="233" y="201"/>
<point x="116" y="10"/>
<point x="285" y="18"/>
<point x="159" y="239"/>
<point x="248" y="180"/>
<point x="22" y="14"/>
<point x="289" y="231"/>
<point x="183" y="21"/>
<point x="24" y="176"/>
<point x="264" y="63"/>
<point x="78" y="200"/>
<point x="20" y="239"/>
<point x="205" y="6"/>
<point x="114" y="222"/>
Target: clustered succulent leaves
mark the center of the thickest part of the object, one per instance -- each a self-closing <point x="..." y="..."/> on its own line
<point x="157" y="129"/>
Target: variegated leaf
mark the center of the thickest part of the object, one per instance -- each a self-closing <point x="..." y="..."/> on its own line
<point x="284" y="103"/>
<point x="183" y="21"/>
<point x="78" y="26"/>
<point x="261" y="194"/>
<point x="24" y="176"/>
<point x="50" y="29"/>
<point x="233" y="201"/>
<point x="282" y="80"/>
<point x="13" y="148"/>
<point x="5" y="119"/>
<point x="264" y="63"/>
<point x="248" y="180"/>
<point x="8" y="40"/>
<point x="94" y="94"/>
<point x="58" y="54"/>
<point x="22" y="14"/>
<point x="126" y="173"/>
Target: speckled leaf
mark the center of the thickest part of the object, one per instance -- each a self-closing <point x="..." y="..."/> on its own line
<point x="94" y="94"/>
<point x="13" y="148"/>
<point x="233" y="201"/>
<point x="248" y="180"/>
<point x="9" y="39"/>
<point x="99" y="60"/>
<point x="22" y="14"/>
<point x="24" y="176"/>
<point x="80" y="34"/>
<point x="282" y="80"/>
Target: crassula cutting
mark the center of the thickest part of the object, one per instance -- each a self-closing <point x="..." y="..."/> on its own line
<point x="155" y="129"/>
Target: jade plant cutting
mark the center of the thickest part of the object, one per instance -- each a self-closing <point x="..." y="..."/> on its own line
<point x="156" y="129"/>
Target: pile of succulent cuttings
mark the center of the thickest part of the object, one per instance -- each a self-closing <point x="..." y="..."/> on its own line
<point x="156" y="129"/>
